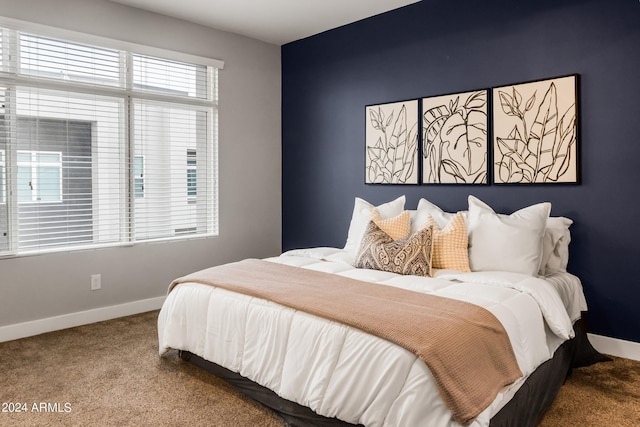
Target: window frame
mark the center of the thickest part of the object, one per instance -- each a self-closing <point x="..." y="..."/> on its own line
<point x="11" y="77"/>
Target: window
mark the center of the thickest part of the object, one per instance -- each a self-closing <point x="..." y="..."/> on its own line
<point x="39" y="176"/>
<point x="95" y="141"/>
<point x="3" y="199"/>
<point x="138" y="177"/>
<point x="192" y="176"/>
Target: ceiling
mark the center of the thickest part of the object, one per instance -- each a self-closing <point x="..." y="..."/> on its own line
<point x="273" y="21"/>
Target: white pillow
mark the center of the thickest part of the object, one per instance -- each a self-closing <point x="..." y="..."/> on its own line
<point x="362" y="214"/>
<point x="506" y="242"/>
<point x="555" y="246"/>
<point x="426" y="208"/>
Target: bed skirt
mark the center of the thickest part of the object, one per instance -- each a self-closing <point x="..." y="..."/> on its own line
<point x="525" y="409"/>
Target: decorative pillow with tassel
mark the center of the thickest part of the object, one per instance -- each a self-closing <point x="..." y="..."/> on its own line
<point x="409" y="255"/>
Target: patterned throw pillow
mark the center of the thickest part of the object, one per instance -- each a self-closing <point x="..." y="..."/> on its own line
<point x="450" y="244"/>
<point x="409" y="255"/>
<point x="397" y="227"/>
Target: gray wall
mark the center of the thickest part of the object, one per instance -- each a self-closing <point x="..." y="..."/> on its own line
<point x="42" y="286"/>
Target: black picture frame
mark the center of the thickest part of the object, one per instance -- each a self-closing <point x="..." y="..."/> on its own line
<point x="391" y="143"/>
<point x="455" y="139"/>
<point x="535" y="132"/>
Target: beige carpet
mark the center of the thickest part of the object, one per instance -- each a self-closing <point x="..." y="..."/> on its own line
<point x="606" y="394"/>
<point x="110" y="374"/>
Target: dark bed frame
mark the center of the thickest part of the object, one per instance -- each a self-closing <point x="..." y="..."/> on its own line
<point x="525" y="409"/>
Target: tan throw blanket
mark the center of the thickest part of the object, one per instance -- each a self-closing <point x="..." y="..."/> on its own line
<point x="464" y="345"/>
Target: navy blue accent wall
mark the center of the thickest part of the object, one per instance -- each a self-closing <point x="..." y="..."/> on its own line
<point x="441" y="46"/>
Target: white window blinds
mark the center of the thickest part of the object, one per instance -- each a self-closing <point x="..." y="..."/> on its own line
<point x="99" y="146"/>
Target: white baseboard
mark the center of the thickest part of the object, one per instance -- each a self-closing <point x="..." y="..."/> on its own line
<point x="615" y="347"/>
<point x="36" y="327"/>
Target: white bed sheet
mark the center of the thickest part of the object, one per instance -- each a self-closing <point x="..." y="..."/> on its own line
<point x="339" y="371"/>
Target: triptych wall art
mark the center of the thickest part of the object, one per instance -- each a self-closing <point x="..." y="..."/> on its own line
<point x="444" y="139"/>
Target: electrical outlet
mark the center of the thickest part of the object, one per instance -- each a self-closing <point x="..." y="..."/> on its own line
<point x="96" y="280"/>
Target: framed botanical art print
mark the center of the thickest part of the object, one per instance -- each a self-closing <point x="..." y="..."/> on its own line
<point x="391" y="143"/>
<point x="454" y="138"/>
<point x="535" y="132"/>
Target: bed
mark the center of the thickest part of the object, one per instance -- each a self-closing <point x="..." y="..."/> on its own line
<point x="315" y="370"/>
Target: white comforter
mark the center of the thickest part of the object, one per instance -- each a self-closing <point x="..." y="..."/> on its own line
<point x="342" y="372"/>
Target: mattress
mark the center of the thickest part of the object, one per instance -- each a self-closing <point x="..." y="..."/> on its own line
<point x="341" y="372"/>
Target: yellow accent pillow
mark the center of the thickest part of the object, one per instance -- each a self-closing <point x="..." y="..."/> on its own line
<point x="450" y="244"/>
<point x="396" y="227"/>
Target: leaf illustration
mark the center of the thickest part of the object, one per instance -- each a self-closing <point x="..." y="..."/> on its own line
<point x="476" y="101"/>
<point x="454" y="105"/>
<point x="432" y="160"/>
<point x="455" y="140"/>
<point x="434" y="119"/>
<point x="375" y="155"/>
<point x="476" y="141"/>
<point x="517" y="98"/>
<point x="376" y="163"/>
<point x="566" y="140"/>
<point x="543" y="132"/>
<point x="514" y="154"/>
<point x="380" y="116"/>
<point x="464" y="140"/>
<point x="530" y="102"/>
<point x="373" y="173"/>
<point x="517" y="176"/>
<point x="455" y="143"/>
<point x="400" y="126"/>
<point x="433" y="122"/>
<point x="409" y="159"/>
<point x="509" y="172"/>
<point x="520" y="167"/>
<point x="375" y="119"/>
<point x="504" y="170"/>
<point x="451" y="128"/>
<point x="515" y="134"/>
<point x="507" y="104"/>
<point x="392" y="158"/>
<point x="452" y="168"/>
<point x="397" y="142"/>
